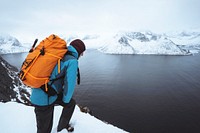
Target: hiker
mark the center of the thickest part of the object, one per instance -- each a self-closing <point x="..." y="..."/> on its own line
<point x="64" y="87"/>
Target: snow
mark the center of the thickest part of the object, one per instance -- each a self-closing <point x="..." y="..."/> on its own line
<point x="111" y="45"/>
<point x="162" y="46"/>
<point x="18" y="118"/>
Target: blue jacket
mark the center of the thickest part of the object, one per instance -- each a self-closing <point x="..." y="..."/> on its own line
<point x="69" y="66"/>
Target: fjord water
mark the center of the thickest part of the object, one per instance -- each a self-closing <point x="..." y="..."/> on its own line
<point x="139" y="93"/>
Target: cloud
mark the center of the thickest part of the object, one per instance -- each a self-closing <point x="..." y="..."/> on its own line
<point x="25" y="19"/>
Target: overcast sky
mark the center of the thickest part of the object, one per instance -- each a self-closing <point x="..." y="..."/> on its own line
<point x="27" y="19"/>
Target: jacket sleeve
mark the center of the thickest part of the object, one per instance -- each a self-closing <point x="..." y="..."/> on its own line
<point x="70" y="80"/>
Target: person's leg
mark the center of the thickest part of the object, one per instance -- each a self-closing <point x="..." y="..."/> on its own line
<point x="44" y="118"/>
<point x="66" y="115"/>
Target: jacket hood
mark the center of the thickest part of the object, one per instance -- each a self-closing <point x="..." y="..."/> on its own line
<point x="73" y="51"/>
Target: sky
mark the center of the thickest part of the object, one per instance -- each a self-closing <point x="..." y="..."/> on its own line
<point x="27" y="20"/>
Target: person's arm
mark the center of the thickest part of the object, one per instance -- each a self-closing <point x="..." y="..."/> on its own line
<point x="70" y="80"/>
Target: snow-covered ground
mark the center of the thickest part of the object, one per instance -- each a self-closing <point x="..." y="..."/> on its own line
<point x="18" y="118"/>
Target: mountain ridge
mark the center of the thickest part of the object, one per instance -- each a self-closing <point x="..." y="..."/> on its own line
<point x="125" y="42"/>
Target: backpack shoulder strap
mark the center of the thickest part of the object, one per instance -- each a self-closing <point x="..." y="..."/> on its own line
<point x="78" y="71"/>
<point x="69" y="53"/>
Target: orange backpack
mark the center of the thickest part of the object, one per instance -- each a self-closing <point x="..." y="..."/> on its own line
<point x="40" y="62"/>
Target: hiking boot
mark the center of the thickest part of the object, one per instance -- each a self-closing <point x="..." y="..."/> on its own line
<point x="69" y="128"/>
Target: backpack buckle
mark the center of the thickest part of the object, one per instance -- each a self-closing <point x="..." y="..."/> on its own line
<point x="21" y="75"/>
<point x="42" y="52"/>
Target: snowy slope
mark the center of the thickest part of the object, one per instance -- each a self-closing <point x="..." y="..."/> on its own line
<point x="116" y="45"/>
<point x="18" y="118"/>
<point x="9" y="44"/>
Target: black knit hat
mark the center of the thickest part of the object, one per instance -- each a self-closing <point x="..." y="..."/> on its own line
<point x="78" y="45"/>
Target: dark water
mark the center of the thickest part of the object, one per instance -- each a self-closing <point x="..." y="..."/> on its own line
<point x="15" y="59"/>
<point x="140" y="93"/>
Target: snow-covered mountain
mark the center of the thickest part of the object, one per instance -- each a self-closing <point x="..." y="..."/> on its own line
<point x="11" y="88"/>
<point x="141" y="43"/>
<point x="177" y="43"/>
<point x="9" y="44"/>
<point x="186" y="40"/>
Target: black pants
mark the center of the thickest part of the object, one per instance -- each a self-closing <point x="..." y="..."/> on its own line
<point x="44" y="115"/>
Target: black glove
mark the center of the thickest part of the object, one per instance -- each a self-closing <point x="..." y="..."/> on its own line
<point x="50" y="91"/>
